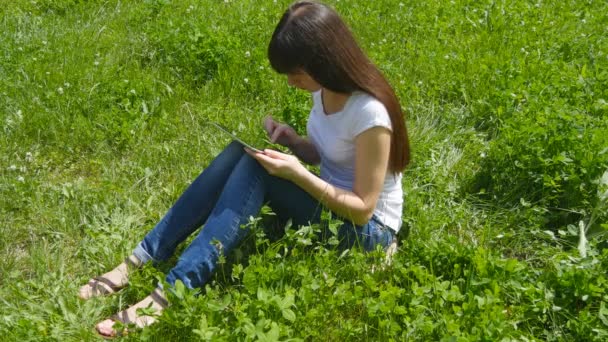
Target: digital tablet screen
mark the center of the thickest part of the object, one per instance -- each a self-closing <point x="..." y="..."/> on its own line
<point x="226" y="131"/>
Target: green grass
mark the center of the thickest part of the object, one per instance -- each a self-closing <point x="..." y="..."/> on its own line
<point x="102" y="112"/>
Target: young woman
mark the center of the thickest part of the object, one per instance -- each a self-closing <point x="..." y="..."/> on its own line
<point x="356" y="131"/>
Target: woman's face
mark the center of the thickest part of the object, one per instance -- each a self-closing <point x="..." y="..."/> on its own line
<point x="302" y="80"/>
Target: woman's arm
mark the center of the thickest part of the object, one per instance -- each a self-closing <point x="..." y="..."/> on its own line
<point x="372" y="148"/>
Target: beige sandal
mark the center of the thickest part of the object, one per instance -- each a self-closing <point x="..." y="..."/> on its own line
<point x="127" y="321"/>
<point x="102" y="286"/>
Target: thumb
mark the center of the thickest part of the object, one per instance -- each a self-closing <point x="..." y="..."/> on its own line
<point x="273" y="154"/>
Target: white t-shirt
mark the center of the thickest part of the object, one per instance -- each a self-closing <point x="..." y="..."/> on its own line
<point x="334" y="138"/>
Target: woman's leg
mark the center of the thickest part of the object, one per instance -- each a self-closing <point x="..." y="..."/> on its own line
<point x="186" y="215"/>
<point x="366" y="236"/>
<point x="242" y="197"/>
<point x="191" y="209"/>
<point x="247" y="189"/>
<point x="304" y="209"/>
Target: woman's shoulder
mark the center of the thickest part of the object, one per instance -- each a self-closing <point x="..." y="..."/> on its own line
<point x="366" y="112"/>
<point x="367" y="103"/>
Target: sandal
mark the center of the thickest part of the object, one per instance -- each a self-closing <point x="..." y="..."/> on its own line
<point x="126" y="319"/>
<point x="102" y="286"/>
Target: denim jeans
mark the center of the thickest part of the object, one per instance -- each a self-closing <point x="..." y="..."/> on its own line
<point x="223" y="197"/>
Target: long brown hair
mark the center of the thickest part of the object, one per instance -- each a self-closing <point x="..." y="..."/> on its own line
<point x="312" y="37"/>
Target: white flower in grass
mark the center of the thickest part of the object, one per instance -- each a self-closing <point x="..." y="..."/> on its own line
<point x="247" y="54"/>
<point x="21" y="179"/>
<point x="12" y="168"/>
<point x="60" y="90"/>
<point x="582" y="239"/>
<point x="29" y="157"/>
<point x="246" y="80"/>
<point x="19" y="115"/>
<point x="604" y="179"/>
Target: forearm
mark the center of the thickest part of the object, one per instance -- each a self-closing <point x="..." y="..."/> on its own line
<point x="305" y="151"/>
<point x="345" y="203"/>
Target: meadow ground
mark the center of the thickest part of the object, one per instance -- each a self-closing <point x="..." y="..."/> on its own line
<point x="103" y="106"/>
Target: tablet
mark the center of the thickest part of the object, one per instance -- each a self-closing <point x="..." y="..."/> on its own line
<point x="226" y="131"/>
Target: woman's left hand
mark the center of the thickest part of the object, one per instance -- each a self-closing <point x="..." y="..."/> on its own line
<point x="279" y="164"/>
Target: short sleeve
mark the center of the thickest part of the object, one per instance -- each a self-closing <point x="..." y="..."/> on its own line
<point x="368" y="113"/>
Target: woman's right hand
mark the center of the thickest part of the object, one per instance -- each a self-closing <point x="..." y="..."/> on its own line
<point x="280" y="133"/>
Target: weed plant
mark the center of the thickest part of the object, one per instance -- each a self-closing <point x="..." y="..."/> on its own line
<point x="103" y="106"/>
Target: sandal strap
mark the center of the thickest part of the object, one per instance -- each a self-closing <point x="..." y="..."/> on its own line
<point x="124" y="318"/>
<point x="159" y="299"/>
<point x="112" y="285"/>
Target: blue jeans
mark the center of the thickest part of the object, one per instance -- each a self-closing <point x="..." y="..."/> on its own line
<point x="233" y="188"/>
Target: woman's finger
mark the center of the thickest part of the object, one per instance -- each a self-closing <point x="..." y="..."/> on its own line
<point x="260" y="156"/>
<point x="253" y="153"/>
<point x="278" y="131"/>
<point x="272" y="154"/>
<point x="284" y="131"/>
<point x="269" y="124"/>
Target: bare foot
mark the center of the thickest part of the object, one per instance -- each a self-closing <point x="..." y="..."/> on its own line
<point x="110" y="282"/>
<point x="156" y="301"/>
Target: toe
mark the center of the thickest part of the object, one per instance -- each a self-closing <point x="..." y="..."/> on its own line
<point x="86" y="291"/>
<point x="106" y="328"/>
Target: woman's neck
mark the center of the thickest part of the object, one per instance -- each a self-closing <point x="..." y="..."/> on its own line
<point x="333" y="102"/>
